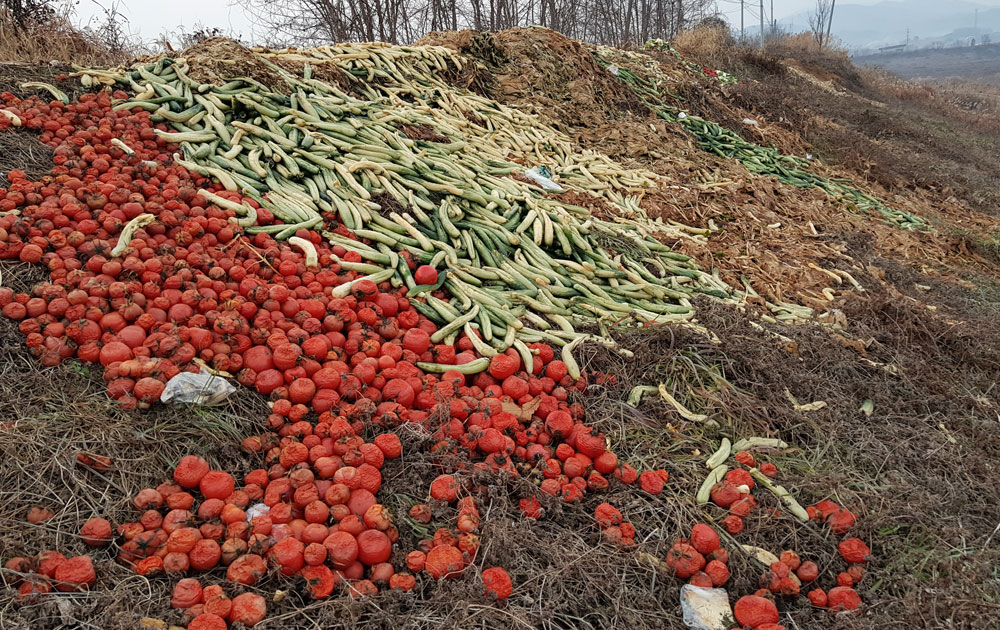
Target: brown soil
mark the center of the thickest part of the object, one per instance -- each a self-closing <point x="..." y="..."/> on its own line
<point x="323" y="70"/>
<point x="220" y="59"/>
<point x="544" y="72"/>
<point x="422" y="132"/>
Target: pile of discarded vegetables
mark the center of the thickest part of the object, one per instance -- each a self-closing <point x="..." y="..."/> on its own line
<point x="644" y="76"/>
<point x="367" y="262"/>
<point x="518" y="264"/>
<point x="720" y="76"/>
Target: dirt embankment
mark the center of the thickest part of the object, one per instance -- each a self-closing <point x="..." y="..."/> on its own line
<point x="778" y="237"/>
<point x="907" y="137"/>
<point x="919" y="340"/>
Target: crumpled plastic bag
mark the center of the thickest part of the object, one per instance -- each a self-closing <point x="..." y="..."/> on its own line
<point x="257" y="509"/>
<point x="613" y="69"/>
<point x="706" y="608"/>
<point x="540" y="175"/>
<point x="200" y="389"/>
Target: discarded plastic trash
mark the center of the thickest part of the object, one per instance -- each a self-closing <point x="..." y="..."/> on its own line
<point x="613" y="69"/>
<point x="200" y="389"/>
<point x="540" y="175"/>
<point x="706" y="608"/>
<point x="682" y="115"/>
<point x="751" y="122"/>
<point x="257" y="509"/>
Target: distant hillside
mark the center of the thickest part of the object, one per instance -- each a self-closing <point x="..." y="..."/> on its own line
<point x="979" y="62"/>
<point x="886" y="23"/>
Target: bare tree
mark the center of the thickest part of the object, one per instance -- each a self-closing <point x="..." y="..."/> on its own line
<point x="616" y="22"/>
<point x="25" y="13"/>
<point x="326" y="21"/>
<point x="819" y="20"/>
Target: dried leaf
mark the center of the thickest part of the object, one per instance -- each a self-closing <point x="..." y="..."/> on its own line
<point x="522" y="412"/>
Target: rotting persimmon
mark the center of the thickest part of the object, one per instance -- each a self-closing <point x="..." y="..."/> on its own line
<point x="685" y="560"/>
<point x="96" y="532"/>
<point x="75" y="574"/>
<point x="320" y="580"/>
<point x="187" y="592"/>
<point x="248" y="609"/>
<point x="246" y="569"/>
<point x="497" y="582"/>
<point x="444" y="561"/>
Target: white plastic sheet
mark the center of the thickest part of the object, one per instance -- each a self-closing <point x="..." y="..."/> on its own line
<point x="200" y="389"/>
<point x="547" y="184"/>
<point x="706" y="608"/>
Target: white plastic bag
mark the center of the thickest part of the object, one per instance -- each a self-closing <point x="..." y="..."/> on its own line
<point x="706" y="608"/>
<point x="542" y="180"/>
<point x="257" y="509"/>
<point x="200" y="389"/>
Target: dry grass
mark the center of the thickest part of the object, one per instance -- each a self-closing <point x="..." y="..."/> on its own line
<point x="22" y="150"/>
<point x="704" y="42"/>
<point x="895" y="133"/>
<point x="966" y="102"/>
<point x="973" y="96"/>
<point x="804" y="44"/>
<point x="58" y="39"/>
<point x="924" y="506"/>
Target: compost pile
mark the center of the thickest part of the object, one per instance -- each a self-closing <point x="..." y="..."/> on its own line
<point x="397" y="264"/>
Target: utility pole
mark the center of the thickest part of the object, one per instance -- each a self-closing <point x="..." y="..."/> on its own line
<point x="772" y="18"/>
<point x="829" y="23"/>
<point x="761" y="23"/>
<point x="742" y="8"/>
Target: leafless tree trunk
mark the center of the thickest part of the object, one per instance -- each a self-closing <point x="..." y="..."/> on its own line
<point x="819" y="20"/>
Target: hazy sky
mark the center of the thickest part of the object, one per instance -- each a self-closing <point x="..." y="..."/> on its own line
<point x="150" y="19"/>
<point x="782" y="9"/>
